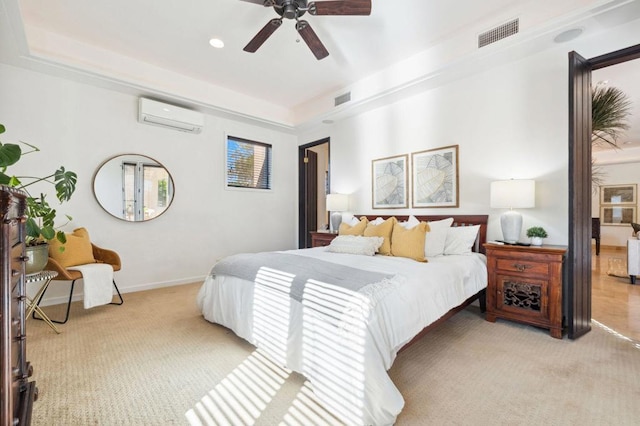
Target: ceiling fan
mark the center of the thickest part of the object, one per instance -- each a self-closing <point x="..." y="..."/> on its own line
<point x="294" y="9"/>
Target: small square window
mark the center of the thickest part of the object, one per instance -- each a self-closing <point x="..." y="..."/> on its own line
<point x="248" y="164"/>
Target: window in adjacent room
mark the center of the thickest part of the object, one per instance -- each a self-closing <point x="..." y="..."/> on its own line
<point x="248" y="164"/>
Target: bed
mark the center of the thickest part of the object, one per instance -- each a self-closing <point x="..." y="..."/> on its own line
<point x="340" y="319"/>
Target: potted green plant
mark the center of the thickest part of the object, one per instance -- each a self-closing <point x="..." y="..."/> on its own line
<point x="536" y="233"/>
<point x="41" y="216"/>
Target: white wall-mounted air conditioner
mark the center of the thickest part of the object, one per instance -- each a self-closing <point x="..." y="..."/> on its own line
<point x="170" y="116"/>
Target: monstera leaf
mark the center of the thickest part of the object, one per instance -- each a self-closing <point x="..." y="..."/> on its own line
<point x="65" y="182"/>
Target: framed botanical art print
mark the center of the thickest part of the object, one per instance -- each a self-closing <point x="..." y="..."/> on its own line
<point x="617" y="215"/>
<point x="389" y="182"/>
<point x="434" y="175"/>
<point x="618" y="194"/>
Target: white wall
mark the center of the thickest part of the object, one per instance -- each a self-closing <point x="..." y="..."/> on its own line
<point x="80" y="126"/>
<point x="499" y="136"/>
<point x="616" y="174"/>
<point x="509" y="122"/>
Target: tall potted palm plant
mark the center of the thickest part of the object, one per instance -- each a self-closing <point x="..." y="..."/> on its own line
<point x="41" y="216"/>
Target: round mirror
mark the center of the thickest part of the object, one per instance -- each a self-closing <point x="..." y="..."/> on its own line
<point x="133" y="187"/>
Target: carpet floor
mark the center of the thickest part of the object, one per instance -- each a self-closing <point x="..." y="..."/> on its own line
<point x="156" y="361"/>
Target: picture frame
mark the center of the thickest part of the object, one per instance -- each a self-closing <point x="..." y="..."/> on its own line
<point x="435" y="178"/>
<point x="389" y="180"/>
<point x="617" y="215"/>
<point x="618" y="194"/>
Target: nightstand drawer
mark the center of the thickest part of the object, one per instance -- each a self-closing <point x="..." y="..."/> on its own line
<point x="322" y="239"/>
<point x="520" y="265"/>
<point x="321" y="243"/>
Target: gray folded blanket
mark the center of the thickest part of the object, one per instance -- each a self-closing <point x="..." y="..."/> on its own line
<point x="247" y="265"/>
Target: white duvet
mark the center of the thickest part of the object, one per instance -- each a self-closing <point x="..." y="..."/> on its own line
<point x="342" y="341"/>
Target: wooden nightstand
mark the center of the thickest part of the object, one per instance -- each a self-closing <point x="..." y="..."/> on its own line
<point x="321" y="239"/>
<point x="525" y="285"/>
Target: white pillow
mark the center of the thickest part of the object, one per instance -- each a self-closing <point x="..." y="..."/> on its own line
<point x="410" y="223"/>
<point x="377" y="221"/>
<point x="436" y="237"/>
<point x="350" y="219"/>
<point x="355" y="244"/>
<point x="460" y="239"/>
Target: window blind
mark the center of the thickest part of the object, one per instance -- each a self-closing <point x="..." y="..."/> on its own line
<point x="248" y="164"/>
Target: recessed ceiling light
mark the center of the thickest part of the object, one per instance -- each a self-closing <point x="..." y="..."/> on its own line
<point x="568" y="35"/>
<point x="327" y="121"/>
<point x="217" y="43"/>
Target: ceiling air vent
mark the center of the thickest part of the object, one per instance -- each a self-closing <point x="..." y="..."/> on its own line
<point x="498" y="33"/>
<point x="342" y="99"/>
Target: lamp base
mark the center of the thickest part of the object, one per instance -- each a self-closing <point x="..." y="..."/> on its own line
<point x="336" y="220"/>
<point x="511" y="223"/>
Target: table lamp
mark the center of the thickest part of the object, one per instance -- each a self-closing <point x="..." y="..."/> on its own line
<point x="336" y="204"/>
<point x="512" y="194"/>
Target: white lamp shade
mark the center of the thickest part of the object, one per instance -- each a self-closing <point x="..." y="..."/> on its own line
<point x="337" y="202"/>
<point x="513" y="194"/>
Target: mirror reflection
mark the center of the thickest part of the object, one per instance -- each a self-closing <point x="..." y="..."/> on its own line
<point x="133" y="187"/>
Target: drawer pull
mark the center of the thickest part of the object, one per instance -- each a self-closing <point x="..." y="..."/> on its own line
<point x="520" y="267"/>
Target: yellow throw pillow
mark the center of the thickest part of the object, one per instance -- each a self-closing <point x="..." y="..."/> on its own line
<point x="77" y="249"/>
<point x="409" y="242"/>
<point x="383" y="230"/>
<point x="353" y="230"/>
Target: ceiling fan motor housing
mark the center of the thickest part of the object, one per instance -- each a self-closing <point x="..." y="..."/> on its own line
<point x="290" y="9"/>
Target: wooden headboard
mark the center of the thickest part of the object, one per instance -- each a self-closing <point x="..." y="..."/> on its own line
<point x="458" y="220"/>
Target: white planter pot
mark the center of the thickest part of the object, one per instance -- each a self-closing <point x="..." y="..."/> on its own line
<point x="536" y="241"/>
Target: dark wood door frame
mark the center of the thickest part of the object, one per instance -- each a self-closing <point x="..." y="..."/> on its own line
<point x="302" y="184"/>
<point x="311" y="197"/>
<point x="578" y="283"/>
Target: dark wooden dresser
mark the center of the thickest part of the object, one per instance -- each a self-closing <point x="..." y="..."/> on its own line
<point x="17" y="393"/>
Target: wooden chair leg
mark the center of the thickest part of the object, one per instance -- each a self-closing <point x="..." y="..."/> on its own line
<point x="66" y="317"/>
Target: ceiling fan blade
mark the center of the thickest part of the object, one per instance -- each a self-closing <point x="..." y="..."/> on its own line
<point x="263" y="35"/>
<point x="340" y="7"/>
<point x="309" y="36"/>
<point x="265" y="3"/>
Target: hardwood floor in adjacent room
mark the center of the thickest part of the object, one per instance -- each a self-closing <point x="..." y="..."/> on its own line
<point x="615" y="302"/>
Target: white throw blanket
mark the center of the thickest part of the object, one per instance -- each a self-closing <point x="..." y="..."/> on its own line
<point x="98" y="279"/>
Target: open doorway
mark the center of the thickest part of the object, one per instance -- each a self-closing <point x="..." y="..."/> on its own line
<point x="578" y="285"/>
<point x="615" y="301"/>
<point x="313" y="187"/>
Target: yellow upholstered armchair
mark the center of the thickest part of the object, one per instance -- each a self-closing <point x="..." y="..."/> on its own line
<point x="78" y="251"/>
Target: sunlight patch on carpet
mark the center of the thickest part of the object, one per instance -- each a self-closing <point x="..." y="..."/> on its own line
<point x="242" y="395"/>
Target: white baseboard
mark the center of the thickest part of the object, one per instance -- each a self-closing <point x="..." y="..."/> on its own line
<point x="78" y="295"/>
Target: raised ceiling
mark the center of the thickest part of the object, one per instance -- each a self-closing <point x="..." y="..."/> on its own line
<point x="161" y="48"/>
